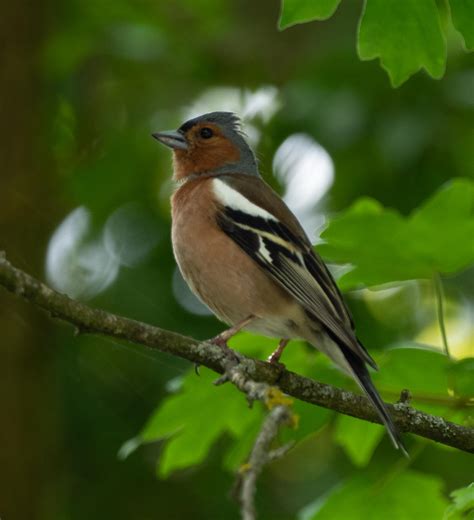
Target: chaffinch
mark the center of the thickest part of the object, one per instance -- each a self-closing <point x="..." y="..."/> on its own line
<point x="245" y="255"/>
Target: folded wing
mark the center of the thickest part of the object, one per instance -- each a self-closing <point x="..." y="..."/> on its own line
<point x="287" y="256"/>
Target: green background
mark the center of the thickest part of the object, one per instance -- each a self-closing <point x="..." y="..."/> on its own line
<point x="83" y="85"/>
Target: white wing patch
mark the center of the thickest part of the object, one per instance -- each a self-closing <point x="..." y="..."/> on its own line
<point x="263" y="251"/>
<point x="231" y="198"/>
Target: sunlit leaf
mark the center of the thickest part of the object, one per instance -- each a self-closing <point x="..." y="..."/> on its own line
<point x="440" y="229"/>
<point x="406" y="36"/>
<point x="195" y="418"/>
<point x="462" y="504"/>
<point x="384" y="246"/>
<point x="385" y="255"/>
<point x="407" y="496"/>
<point x="462" y="13"/>
<point x="300" y="11"/>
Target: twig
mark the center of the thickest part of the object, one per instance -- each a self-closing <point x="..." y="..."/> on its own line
<point x="280" y="414"/>
<point x="259" y="457"/>
<point x="97" y="321"/>
<point x="438" y="284"/>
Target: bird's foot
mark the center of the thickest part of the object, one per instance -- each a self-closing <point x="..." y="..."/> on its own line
<point x="221" y="339"/>
<point x="274" y="358"/>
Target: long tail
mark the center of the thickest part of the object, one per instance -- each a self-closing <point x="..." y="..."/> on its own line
<point x="360" y="373"/>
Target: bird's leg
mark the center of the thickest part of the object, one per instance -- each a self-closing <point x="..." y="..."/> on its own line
<point x="222" y="338"/>
<point x="274" y="358"/>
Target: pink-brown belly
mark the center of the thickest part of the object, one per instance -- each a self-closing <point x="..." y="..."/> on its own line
<point x="228" y="281"/>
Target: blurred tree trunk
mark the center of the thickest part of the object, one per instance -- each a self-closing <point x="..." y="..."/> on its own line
<point x="26" y="440"/>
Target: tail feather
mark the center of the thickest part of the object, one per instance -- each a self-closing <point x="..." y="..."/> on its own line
<point x="355" y="366"/>
<point x="361" y="375"/>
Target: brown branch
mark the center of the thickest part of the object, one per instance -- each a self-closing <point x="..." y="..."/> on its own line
<point x="97" y="321"/>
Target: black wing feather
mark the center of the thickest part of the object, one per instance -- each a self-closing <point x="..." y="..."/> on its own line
<point x="295" y="266"/>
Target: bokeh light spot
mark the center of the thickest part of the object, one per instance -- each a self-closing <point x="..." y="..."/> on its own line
<point x="306" y="170"/>
<point x="77" y="264"/>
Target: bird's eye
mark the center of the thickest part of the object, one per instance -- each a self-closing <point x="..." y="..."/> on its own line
<point x="206" y="133"/>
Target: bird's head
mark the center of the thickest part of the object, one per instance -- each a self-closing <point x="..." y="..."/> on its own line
<point x="209" y="144"/>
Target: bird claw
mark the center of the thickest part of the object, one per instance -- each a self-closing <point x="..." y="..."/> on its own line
<point x="275" y="356"/>
<point x="221" y="380"/>
<point x="275" y="361"/>
<point x="221" y="341"/>
<point x="281" y="366"/>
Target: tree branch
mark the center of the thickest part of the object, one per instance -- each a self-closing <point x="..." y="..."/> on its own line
<point x="96" y="321"/>
<point x="260" y="456"/>
<point x="279" y="414"/>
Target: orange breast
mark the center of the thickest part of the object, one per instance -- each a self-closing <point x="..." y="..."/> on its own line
<point x="217" y="270"/>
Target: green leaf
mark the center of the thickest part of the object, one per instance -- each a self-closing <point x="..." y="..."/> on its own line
<point x="432" y="390"/>
<point x="300" y="11"/>
<point x="462" y="375"/>
<point x="373" y="240"/>
<point x="405" y="34"/>
<point x="240" y="449"/>
<point x="358" y="438"/>
<point x="193" y="420"/>
<point x="463" y="503"/>
<point x="385" y="247"/>
<point x="462" y="13"/>
<point x="440" y="228"/>
<point x="401" y="368"/>
<point x="408" y="496"/>
<point x="311" y="420"/>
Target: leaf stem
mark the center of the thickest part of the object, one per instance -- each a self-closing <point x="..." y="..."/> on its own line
<point x="438" y="285"/>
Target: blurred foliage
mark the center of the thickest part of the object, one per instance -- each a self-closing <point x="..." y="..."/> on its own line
<point x="393" y="496"/>
<point x="431" y="240"/>
<point x="463" y="19"/>
<point x="463" y="503"/>
<point x="406" y="35"/>
<point x="91" y="208"/>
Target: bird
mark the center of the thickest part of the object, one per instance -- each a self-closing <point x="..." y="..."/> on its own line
<point x="245" y="255"/>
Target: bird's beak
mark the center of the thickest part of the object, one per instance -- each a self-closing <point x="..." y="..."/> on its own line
<point x="173" y="139"/>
